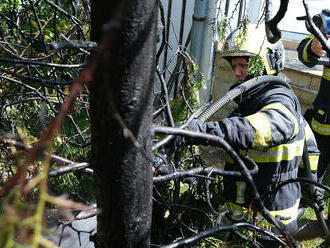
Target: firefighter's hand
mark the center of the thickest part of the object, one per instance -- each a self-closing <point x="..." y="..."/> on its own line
<point x="212" y="127"/>
<point x="196" y="125"/>
<point x="319" y="195"/>
<point x="159" y="160"/>
<point x="316" y="47"/>
<point x="160" y="166"/>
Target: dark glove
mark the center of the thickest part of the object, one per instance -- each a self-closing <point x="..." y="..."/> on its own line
<point x="160" y="160"/>
<point x="319" y="195"/>
<point x="309" y="197"/>
<point x="197" y="125"/>
<point x="160" y="164"/>
<point x="160" y="167"/>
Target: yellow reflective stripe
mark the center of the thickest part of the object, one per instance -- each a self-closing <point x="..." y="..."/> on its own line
<point x="305" y="55"/>
<point x="278" y="153"/>
<point x="275" y="154"/>
<point x="308" y="132"/>
<point x="264" y="58"/>
<point x="313" y="162"/>
<point x="323" y="129"/>
<point x="320" y="111"/>
<point x="290" y="214"/>
<point x="240" y="192"/>
<point x="262" y="131"/>
<point x="326" y="73"/>
<point x="285" y="110"/>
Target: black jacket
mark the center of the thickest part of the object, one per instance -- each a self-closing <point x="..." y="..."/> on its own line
<point x="322" y="100"/>
<point x="267" y="126"/>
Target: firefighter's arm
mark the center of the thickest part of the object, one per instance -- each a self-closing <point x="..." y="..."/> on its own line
<point x="316" y="48"/>
<point x="272" y="125"/>
<point x="308" y="51"/>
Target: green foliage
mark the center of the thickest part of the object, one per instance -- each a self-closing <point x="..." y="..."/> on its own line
<point x="13" y="219"/>
<point x="78" y="185"/>
<point x="190" y="206"/>
<point x="222" y="27"/>
<point x="256" y="66"/>
<point x="189" y="92"/>
<point x="241" y="38"/>
<point x="30" y="99"/>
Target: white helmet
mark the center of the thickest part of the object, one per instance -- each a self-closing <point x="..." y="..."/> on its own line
<point x="251" y="41"/>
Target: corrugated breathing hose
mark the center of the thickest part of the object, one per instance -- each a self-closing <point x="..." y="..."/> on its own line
<point x="240" y="89"/>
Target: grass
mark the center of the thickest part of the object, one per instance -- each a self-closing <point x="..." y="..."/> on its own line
<point x="310" y="215"/>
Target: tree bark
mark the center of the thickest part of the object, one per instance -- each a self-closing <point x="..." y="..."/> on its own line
<point x="121" y="96"/>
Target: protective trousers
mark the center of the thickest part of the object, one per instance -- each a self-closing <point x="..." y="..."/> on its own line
<point x="323" y="143"/>
<point x="268" y="242"/>
<point x="320" y="124"/>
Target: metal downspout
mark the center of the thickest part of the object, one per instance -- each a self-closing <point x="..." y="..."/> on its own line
<point x="197" y="29"/>
<point x="207" y="55"/>
<point x="202" y="42"/>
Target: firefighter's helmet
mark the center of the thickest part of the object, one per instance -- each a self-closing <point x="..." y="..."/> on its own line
<point x="251" y="41"/>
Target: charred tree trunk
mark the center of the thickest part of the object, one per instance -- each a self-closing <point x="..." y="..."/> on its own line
<point x="121" y="97"/>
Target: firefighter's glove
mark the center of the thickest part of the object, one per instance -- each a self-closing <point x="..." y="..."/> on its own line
<point x="319" y="195"/>
<point x="197" y="125"/>
<point x="160" y="164"/>
<point x="160" y="160"/>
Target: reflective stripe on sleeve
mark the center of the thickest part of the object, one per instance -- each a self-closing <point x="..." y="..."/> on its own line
<point x="305" y="55"/>
<point x="323" y="129"/>
<point x="308" y="132"/>
<point x="286" y="111"/>
<point x="261" y="126"/>
<point x="326" y="73"/>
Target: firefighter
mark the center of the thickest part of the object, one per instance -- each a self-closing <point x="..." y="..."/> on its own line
<point x="309" y="51"/>
<point x="268" y="127"/>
